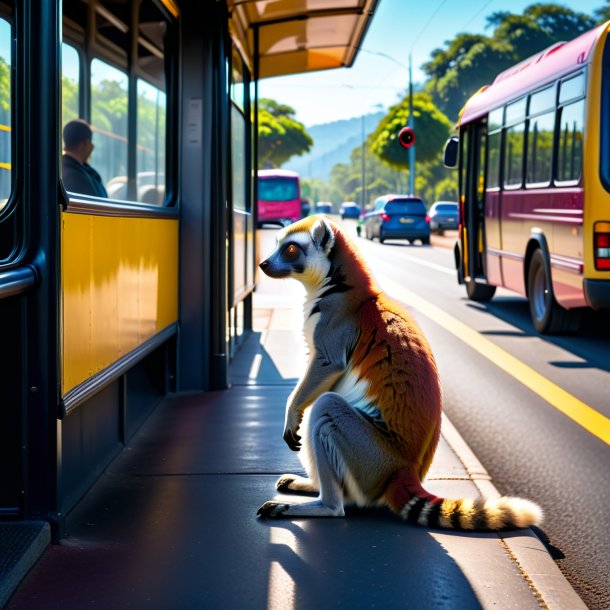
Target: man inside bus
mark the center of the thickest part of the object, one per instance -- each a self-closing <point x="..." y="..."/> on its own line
<point x="77" y="175"/>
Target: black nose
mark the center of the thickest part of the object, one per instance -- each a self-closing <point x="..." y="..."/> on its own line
<point x="264" y="265"/>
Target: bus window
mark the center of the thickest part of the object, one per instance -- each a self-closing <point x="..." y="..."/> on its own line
<point x="540" y="150"/>
<point x="495" y="119"/>
<point x="109" y="107"/>
<point x="151" y="143"/>
<point x="515" y="112"/>
<point x="513" y="157"/>
<point x="571" y="126"/>
<point x="5" y="116"/>
<point x="542" y="101"/>
<point x="70" y="79"/>
<point x="572" y="88"/>
<point x="494" y="142"/>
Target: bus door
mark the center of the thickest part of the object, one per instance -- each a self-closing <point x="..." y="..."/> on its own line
<point x="472" y="200"/>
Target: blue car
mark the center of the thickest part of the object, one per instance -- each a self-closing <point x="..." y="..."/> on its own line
<point x="443" y="216"/>
<point x="324" y="207"/>
<point x="349" y="209"/>
<point x="398" y="217"/>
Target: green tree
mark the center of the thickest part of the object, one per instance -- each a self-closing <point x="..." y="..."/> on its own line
<point x="432" y="128"/>
<point x="602" y="14"/>
<point x="469" y="62"/>
<point x="280" y="135"/>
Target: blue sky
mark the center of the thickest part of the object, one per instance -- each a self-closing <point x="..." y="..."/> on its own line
<point x="380" y="72"/>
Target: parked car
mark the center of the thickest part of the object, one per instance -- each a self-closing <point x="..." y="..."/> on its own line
<point x="398" y="217"/>
<point x="324" y="207"/>
<point x="349" y="209"/>
<point x="443" y="215"/>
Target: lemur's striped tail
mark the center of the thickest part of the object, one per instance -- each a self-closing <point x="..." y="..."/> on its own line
<point x="414" y="504"/>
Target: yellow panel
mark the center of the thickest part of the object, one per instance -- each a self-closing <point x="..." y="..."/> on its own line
<point x="597" y="198"/>
<point x="76" y="298"/>
<point x="119" y="287"/>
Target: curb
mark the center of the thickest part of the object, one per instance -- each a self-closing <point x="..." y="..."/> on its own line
<point x="524" y="548"/>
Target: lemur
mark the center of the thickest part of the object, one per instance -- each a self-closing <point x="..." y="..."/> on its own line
<point x="371" y="393"/>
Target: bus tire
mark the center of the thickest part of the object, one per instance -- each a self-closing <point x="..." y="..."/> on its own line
<point x="479" y="292"/>
<point x="381" y="236"/>
<point x="547" y="315"/>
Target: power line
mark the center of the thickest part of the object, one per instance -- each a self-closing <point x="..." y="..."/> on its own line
<point x="477" y="14"/>
<point x="438" y="8"/>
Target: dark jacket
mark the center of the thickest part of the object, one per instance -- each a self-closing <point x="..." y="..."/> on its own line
<point x="81" y="178"/>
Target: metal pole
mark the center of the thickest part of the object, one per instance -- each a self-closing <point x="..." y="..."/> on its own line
<point x="411" y="124"/>
<point x="363" y="165"/>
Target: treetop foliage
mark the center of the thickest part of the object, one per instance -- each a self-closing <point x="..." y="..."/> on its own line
<point x="432" y="128"/>
<point x="280" y="135"/>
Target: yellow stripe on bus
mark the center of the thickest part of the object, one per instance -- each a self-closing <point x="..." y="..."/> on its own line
<point x="5" y="128"/>
<point x="6" y="166"/>
<point x="581" y="413"/>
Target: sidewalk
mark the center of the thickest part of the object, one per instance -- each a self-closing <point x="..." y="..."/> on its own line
<point x="172" y="523"/>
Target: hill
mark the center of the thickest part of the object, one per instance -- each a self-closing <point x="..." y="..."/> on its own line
<point x="333" y="143"/>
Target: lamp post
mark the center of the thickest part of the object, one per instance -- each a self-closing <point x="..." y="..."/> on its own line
<point x="363" y="163"/>
<point x="411" y="123"/>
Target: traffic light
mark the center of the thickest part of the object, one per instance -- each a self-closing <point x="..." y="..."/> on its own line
<point x="406" y="137"/>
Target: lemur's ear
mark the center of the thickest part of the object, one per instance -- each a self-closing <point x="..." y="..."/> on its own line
<point x="322" y="234"/>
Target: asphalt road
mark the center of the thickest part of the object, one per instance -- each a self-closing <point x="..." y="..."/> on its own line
<point x="495" y="371"/>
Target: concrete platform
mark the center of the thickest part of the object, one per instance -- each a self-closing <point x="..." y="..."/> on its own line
<point x="172" y="523"/>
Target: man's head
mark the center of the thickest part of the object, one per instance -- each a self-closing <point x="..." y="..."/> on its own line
<point x="77" y="139"/>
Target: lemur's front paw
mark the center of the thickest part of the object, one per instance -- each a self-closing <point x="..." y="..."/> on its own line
<point x="283" y="483"/>
<point x="292" y="439"/>
<point x="271" y="510"/>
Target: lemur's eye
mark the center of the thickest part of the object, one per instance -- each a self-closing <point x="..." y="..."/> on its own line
<point x="291" y="252"/>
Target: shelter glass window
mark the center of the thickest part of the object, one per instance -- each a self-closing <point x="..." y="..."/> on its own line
<point x="238" y="90"/>
<point x="540" y="149"/>
<point x="5" y="120"/>
<point x="151" y="146"/>
<point x="70" y="83"/>
<point x="238" y="158"/>
<point x="109" y="110"/>
<point x="513" y="157"/>
<point x="570" y="149"/>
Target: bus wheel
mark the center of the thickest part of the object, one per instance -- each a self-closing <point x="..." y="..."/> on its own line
<point x="547" y="315"/>
<point x="479" y="292"/>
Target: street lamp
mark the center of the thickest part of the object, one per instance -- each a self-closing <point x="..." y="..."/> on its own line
<point x="411" y="121"/>
<point x="363" y="163"/>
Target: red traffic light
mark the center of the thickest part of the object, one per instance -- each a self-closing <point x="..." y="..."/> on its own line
<point x="406" y="137"/>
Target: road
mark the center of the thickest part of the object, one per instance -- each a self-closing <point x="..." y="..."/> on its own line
<point x="533" y="409"/>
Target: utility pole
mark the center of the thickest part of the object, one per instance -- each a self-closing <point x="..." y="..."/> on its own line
<point x="363" y="164"/>
<point x="411" y="124"/>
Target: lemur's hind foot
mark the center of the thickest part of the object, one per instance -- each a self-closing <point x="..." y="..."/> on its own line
<point x="275" y="510"/>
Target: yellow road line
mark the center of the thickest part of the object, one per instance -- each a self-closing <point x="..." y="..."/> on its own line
<point x="584" y="415"/>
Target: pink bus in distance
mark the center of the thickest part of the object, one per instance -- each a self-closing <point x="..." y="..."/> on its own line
<point x="279" y="197"/>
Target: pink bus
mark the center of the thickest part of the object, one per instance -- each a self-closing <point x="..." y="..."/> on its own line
<point x="534" y="183"/>
<point x="279" y="197"/>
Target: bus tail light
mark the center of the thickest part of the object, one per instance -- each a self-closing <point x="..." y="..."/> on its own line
<point x="601" y="246"/>
<point x="427" y="219"/>
<point x="385" y="217"/>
